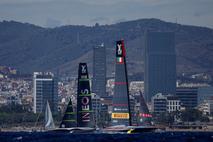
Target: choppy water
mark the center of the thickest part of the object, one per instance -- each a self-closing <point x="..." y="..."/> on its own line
<point x="144" y="137"/>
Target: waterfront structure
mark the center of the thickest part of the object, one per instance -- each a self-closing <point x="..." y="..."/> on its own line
<point x="104" y="115"/>
<point x="45" y="88"/>
<point x="160" y="64"/>
<point x="159" y="103"/>
<point x="187" y="96"/>
<point x="173" y="103"/>
<point x="205" y="100"/>
<point x="14" y="100"/>
<point x="121" y="108"/>
<point x="84" y="101"/>
<point x="206" y="107"/>
<point x="165" y="103"/>
<point x="99" y="71"/>
<point x="96" y="107"/>
<point x="204" y="94"/>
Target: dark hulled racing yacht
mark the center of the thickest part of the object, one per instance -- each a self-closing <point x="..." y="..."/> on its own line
<point x="81" y="121"/>
<point x="121" y="114"/>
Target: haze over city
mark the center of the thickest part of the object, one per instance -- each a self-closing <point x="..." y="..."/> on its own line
<point x="52" y="13"/>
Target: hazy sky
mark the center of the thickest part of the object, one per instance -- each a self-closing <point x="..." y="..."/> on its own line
<point x="88" y="12"/>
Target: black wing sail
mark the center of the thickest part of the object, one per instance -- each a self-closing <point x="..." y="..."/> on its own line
<point x="69" y="119"/>
<point x="121" y="108"/>
<point x="84" y="102"/>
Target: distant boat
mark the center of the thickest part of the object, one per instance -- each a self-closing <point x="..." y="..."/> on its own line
<point x="49" y="123"/>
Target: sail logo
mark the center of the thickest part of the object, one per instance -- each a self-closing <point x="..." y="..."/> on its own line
<point x="120" y="115"/>
<point x="83" y="69"/>
<point x="119" y="51"/>
<point x="85" y="106"/>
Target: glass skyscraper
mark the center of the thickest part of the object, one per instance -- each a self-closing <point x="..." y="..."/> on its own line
<point x="160" y="64"/>
<point x="45" y="88"/>
<point x="99" y="71"/>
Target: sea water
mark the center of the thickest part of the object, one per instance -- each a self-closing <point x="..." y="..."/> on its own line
<point x="143" y="137"/>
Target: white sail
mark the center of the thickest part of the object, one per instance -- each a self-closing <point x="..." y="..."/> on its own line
<point x="49" y="123"/>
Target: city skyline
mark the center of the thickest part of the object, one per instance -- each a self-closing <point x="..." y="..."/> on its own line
<point x="52" y="13"/>
<point x="106" y="68"/>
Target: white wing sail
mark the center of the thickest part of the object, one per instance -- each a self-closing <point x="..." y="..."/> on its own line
<point x="49" y="123"/>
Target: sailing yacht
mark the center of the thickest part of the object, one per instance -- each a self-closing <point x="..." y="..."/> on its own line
<point x="121" y="113"/>
<point x="69" y="119"/>
<point x="81" y="121"/>
<point x="49" y="123"/>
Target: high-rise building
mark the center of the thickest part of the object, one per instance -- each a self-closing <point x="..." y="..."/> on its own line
<point x="45" y="88"/>
<point x="99" y="71"/>
<point x="160" y="64"/>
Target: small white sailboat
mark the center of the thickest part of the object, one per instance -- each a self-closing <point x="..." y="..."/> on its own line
<point x="49" y="123"/>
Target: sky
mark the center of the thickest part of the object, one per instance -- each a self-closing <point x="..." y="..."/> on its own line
<point x="51" y="13"/>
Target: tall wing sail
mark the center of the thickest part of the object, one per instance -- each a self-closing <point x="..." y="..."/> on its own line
<point x="121" y="107"/>
<point x="49" y="123"/>
<point x="69" y="119"/>
<point x="84" y="102"/>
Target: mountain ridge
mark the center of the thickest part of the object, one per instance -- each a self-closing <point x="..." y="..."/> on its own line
<point x="32" y="48"/>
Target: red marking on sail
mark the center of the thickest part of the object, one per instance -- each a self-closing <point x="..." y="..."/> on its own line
<point x="123" y="48"/>
<point x="145" y="115"/>
<point x="120" y="104"/>
<point x="120" y="83"/>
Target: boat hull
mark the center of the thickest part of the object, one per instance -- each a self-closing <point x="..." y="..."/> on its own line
<point x="130" y="129"/>
<point x="74" y="130"/>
